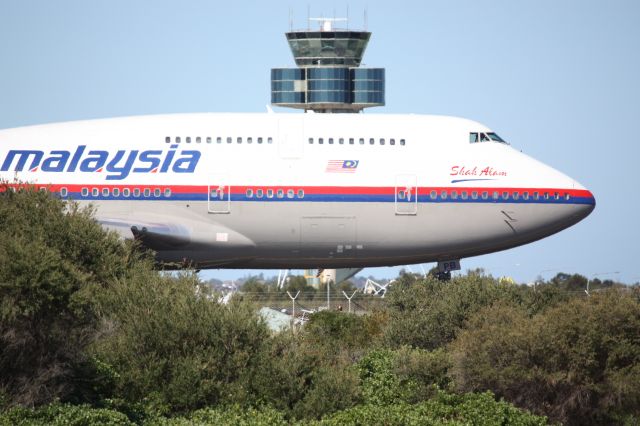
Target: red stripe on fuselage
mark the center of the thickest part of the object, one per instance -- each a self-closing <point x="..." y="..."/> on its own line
<point x="320" y="190"/>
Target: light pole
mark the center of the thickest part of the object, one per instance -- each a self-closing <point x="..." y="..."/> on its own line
<point x="293" y="309"/>
<point x="349" y="298"/>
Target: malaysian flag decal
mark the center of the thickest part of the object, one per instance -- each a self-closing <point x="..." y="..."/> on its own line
<point x="342" y="166"/>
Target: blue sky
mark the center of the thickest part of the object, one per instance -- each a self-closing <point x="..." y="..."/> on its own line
<point x="559" y="79"/>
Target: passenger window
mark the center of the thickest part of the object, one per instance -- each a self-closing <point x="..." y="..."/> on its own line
<point x="259" y="193"/>
<point x="392" y="141"/>
<point x="474" y="195"/>
<point x="229" y="139"/>
<point x="167" y="192"/>
<point x="505" y="195"/>
<point x="269" y="139"/>
<point x="496" y="195"/>
<point x="188" y="139"/>
<point x="536" y="195"/>
<point x="218" y="139"/>
<point x="341" y="141"/>
<point x="290" y="193"/>
<point x="63" y="192"/>
<point x="567" y="196"/>
<point x="116" y="192"/>
<point x="249" y="139"/>
<point x="401" y="194"/>
<point x="147" y="192"/>
<point x="516" y="195"/>
<point x="178" y="139"/>
<point x="136" y="192"/>
<point x="95" y="192"/>
<point x="330" y="141"/>
<point x="320" y="141"/>
<point x="361" y="140"/>
<point x="269" y="193"/>
<point x="454" y="195"/>
<point x="280" y="193"/>
<point x="156" y="192"/>
<point x="525" y="195"/>
<point x="464" y="195"/>
<point x="351" y="141"/>
<point x="443" y="194"/>
<point x="556" y="195"/>
<point x="126" y="192"/>
<point x="473" y="137"/>
<point x="434" y="194"/>
<point x="546" y="195"/>
<point x="105" y="192"/>
<point x="300" y="193"/>
<point x="402" y="142"/>
<point x="213" y="193"/>
<point x="167" y="139"/>
<point x="485" y="195"/>
<point x="372" y="141"/>
<point x="249" y="193"/>
<point x="381" y="141"/>
<point x="260" y="140"/>
<point x="239" y="140"/>
<point x="85" y="192"/>
<point x="310" y="141"/>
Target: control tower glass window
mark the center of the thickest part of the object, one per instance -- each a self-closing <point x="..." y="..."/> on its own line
<point x="328" y="47"/>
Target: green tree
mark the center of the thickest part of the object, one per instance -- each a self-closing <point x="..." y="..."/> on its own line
<point x="578" y="362"/>
<point x="53" y="258"/>
<point x="174" y="349"/>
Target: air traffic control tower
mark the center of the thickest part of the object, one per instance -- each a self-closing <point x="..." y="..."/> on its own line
<point x="328" y="77"/>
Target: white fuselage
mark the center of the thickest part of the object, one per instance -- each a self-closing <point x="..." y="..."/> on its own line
<point x="299" y="190"/>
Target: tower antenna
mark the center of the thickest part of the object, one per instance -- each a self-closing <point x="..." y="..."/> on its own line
<point x="290" y="19"/>
<point x="347" y="17"/>
<point x="366" y="21"/>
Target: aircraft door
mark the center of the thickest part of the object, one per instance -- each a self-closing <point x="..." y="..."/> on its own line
<point x="219" y="198"/>
<point x="290" y="136"/>
<point x="406" y="194"/>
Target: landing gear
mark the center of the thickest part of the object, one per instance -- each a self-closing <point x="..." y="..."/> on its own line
<point x="445" y="268"/>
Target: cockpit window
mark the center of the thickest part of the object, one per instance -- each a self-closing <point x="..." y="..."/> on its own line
<point x="495" y="137"/>
<point x="475" y="137"/>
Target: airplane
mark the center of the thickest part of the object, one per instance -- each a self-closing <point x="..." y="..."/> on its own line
<point x="308" y="190"/>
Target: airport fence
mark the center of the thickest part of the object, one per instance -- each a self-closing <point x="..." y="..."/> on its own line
<point x="315" y="301"/>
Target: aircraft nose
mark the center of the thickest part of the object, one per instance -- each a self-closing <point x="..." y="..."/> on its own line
<point x="585" y="200"/>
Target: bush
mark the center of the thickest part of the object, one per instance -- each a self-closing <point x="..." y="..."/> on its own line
<point x="578" y="363"/>
<point x="477" y="409"/>
<point x="63" y="415"/>
<point x="53" y="258"/>
<point x="174" y="349"/>
<point x="305" y="380"/>
<point x="429" y="313"/>
<point x="234" y="415"/>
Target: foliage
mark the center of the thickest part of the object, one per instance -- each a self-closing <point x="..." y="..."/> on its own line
<point x="174" y="349"/>
<point x="62" y="414"/>
<point x="305" y="380"/>
<point x="443" y="409"/>
<point x="340" y="331"/>
<point x="428" y="313"/>
<point x="234" y="415"/>
<point x="578" y="362"/>
<point x="53" y="257"/>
